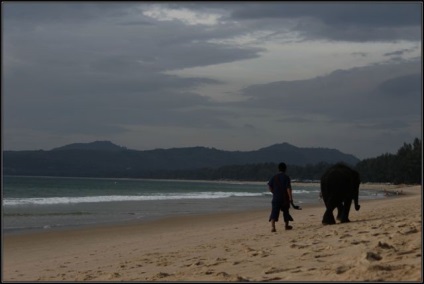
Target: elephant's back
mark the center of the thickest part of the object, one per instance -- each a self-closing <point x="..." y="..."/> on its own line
<point x="338" y="175"/>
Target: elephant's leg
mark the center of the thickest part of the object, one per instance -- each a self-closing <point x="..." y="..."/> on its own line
<point x="328" y="218"/>
<point x="340" y="209"/>
<point x="346" y="209"/>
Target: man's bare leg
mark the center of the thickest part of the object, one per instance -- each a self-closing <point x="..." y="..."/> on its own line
<point x="273" y="226"/>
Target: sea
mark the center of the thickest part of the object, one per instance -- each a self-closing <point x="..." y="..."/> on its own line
<point x="49" y="203"/>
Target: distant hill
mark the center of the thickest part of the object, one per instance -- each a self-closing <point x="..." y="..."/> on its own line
<point x="96" y="145"/>
<point x="105" y="159"/>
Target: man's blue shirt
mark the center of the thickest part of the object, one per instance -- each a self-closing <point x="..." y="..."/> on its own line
<point x="279" y="183"/>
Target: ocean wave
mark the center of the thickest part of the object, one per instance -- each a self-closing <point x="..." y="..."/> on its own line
<point x="300" y="191"/>
<point x="115" y="198"/>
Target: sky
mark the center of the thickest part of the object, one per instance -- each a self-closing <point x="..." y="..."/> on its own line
<point x="235" y="76"/>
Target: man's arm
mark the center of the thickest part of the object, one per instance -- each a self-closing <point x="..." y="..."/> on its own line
<point x="289" y="191"/>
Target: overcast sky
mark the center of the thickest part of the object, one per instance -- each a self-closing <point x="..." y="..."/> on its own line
<point x="228" y="75"/>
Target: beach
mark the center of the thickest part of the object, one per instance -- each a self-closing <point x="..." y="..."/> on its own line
<point x="383" y="242"/>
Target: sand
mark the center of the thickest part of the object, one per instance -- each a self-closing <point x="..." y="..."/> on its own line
<point x="383" y="242"/>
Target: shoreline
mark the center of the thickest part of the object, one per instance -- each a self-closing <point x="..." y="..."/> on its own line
<point x="382" y="243"/>
<point x="377" y="187"/>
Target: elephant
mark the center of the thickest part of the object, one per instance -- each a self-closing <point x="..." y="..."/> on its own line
<point x="339" y="185"/>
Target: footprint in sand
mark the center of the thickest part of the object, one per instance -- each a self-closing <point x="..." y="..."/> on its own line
<point x="342" y="269"/>
<point x="216" y="261"/>
<point x="323" y="255"/>
<point x="274" y="270"/>
<point x="385" y="246"/>
<point x="229" y="277"/>
<point x="88" y="277"/>
<point x="299" y="246"/>
<point x="237" y="262"/>
<point x="407" y="251"/>
<point x="359" y="242"/>
<point x="160" y="275"/>
<point x="272" y="279"/>
<point x="410" y="230"/>
<point x="322" y="248"/>
<point x="197" y="263"/>
<point x="209" y="271"/>
<point x="372" y="256"/>
<point x="379" y="267"/>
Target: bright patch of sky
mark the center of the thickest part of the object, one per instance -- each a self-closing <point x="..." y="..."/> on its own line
<point x="187" y="16"/>
<point x="291" y="61"/>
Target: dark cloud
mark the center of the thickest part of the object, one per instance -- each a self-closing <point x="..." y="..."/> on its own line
<point x="403" y="86"/>
<point x="399" y="52"/>
<point x="365" y="14"/>
<point x="61" y="12"/>
<point x="360" y="21"/>
<point x="345" y="95"/>
<point x="387" y="125"/>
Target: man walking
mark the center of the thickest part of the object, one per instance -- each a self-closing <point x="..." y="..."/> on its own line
<point x="280" y="187"/>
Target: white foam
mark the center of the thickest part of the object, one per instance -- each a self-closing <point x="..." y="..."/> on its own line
<point x="115" y="198"/>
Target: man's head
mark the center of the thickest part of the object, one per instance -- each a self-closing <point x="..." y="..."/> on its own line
<point x="282" y="167"/>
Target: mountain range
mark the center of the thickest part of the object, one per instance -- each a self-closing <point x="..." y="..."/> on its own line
<point x="103" y="158"/>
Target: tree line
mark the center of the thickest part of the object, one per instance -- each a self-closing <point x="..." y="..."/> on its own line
<point x="403" y="167"/>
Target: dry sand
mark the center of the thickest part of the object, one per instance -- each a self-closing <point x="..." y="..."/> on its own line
<point x="383" y="242"/>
